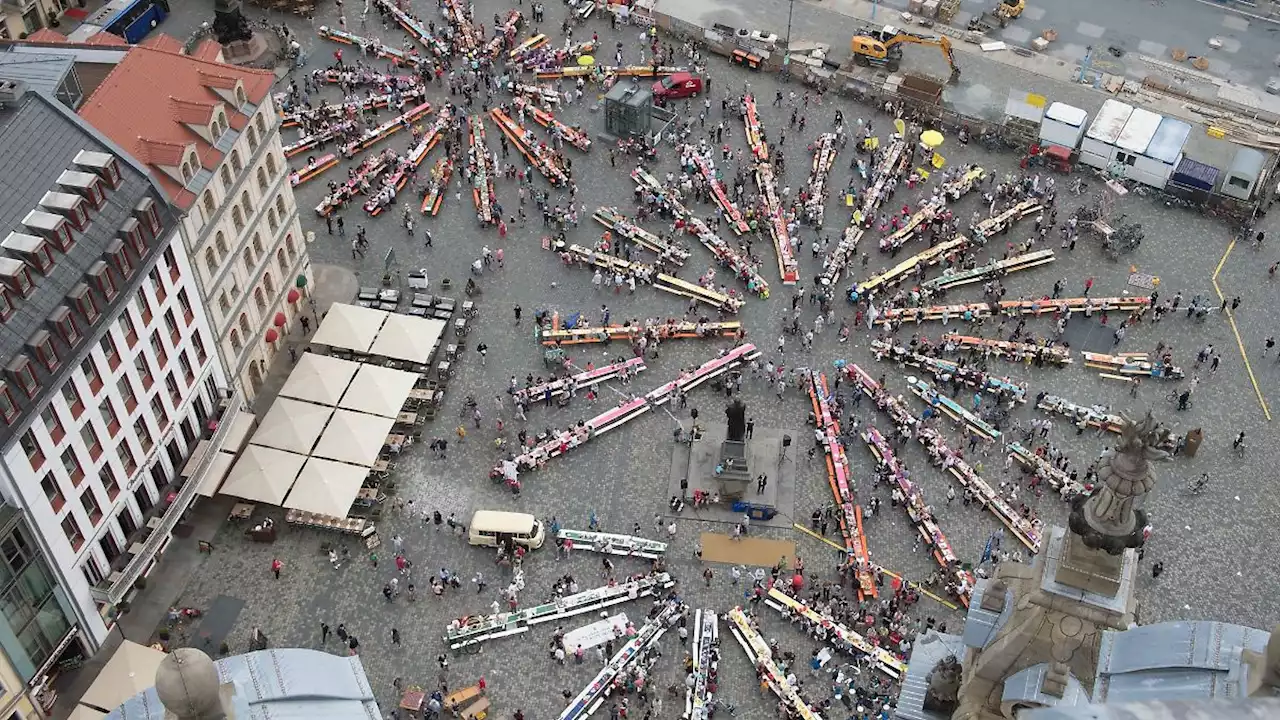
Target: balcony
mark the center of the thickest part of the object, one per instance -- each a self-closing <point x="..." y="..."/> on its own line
<point x="164" y="517"/>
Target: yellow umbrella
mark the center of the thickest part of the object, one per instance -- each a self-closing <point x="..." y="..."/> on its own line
<point x="931" y="138"/>
<point x="585" y="60"/>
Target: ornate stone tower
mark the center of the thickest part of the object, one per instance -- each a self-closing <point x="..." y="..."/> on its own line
<point x="1046" y="620"/>
<point x="189" y="688"/>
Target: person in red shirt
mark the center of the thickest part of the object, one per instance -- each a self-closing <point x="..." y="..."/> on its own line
<point x="276" y="567"/>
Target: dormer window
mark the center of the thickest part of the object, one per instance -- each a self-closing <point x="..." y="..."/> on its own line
<point x="100" y="273"/>
<point x="6" y="305"/>
<point x="83" y="299"/>
<point x="187" y="173"/>
<point x="16" y="276"/>
<point x="87" y="185"/>
<point x="103" y="165"/>
<point x="34" y="250"/>
<point x="148" y="214"/>
<point x="64" y="324"/>
<point x="119" y="258"/>
<point x="241" y="98"/>
<point x="73" y="207"/>
<point x="23" y="375"/>
<point x="42" y="345"/>
<point x="219" y="125"/>
<point x="51" y="227"/>
<point x="131" y="233"/>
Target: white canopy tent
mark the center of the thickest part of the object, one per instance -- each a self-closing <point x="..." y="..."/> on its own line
<point x="378" y="391"/>
<point x="349" y="326"/>
<point x="326" y="487"/>
<point x="292" y="425"/>
<point x="131" y="670"/>
<point x="263" y="474"/>
<point x="407" y="337"/>
<point x="238" y="434"/>
<point x="217" y="472"/>
<point x="320" y="379"/>
<point x="354" y="438"/>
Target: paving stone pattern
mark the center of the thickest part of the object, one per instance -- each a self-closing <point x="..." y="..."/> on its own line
<point x="1216" y="547"/>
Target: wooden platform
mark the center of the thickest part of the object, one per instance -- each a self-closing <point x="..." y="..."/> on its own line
<point x="749" y="551"/>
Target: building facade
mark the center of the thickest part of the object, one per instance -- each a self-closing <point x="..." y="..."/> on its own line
<point x="209" y="133"/>
<point x="20" y="18"/>
<point x="111" y="376"/>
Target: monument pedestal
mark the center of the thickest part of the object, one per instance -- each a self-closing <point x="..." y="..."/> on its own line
<point x="762" y="454"/>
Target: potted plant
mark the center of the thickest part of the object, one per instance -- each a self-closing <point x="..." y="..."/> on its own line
<point x="140" y="584"/>
<point x="224" y="648"/>
<point x="163" y="635"/>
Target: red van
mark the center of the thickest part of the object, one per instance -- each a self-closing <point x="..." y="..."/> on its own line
<point x="677" y="86"/>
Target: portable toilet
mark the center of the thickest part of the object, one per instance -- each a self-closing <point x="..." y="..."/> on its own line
<point x="1134" y="140"/>
<point x="1163" y="153"/>
<point x="1063" y="125"/>
<point x="1098" y="148"/>
<point x="1244" y="174"/>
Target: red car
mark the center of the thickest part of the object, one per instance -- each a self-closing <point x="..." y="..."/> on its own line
<point x="679" y="85"/>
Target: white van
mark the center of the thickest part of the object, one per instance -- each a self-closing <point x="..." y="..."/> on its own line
<point x="491" y="527"/>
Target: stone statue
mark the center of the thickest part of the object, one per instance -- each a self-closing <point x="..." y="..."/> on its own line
<point x="229" y="24"/>
<point x="944" y="686"/>
<point x="1108" y="519"/>
<point x="736" y="415"/>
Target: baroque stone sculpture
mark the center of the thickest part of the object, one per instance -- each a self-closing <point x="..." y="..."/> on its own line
<point x="1109" y="519"/>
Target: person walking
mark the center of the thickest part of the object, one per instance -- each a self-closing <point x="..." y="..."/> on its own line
<point x="395" y="636"/>
<point x="517" y="311"/>
<point x="276" y="567"/>
<point x="324" y="632"/>
<point x="707" y="575"/>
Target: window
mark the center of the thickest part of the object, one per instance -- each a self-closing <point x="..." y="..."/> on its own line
<point x="144" y="434"/>
<point x="157" y="284"/>
<point x="51" y="423"/>
<point x="221" y="242"/>
<point x="84" y="302"/>
<point x="259" y="299"/>
<point x="40" y="257"/>
<point x="257" y="245"/>
<point x="111" y="171"/>
<point x="144" y="371"/>
<point x="235" y="290"/>
<point x="101" y="275"/>
<point x="173" y="388"/>
<point x="224" y="303"/>
<point x="109" y="352"/>
<point x="9" y="407"/>
<point x="148" y="213"/>
<point x="206" y="202"/>
<point x="262" y="179"/>
<point x="210" y="262"/>
<point x="260" y="123"/>
<point x="290" y="246"/>
<point x="71" y="464"/>
<point x="184" y="303"/>
<point x="271" y="220"/>
<point x="42" y="345"/>
<point x="280" y="207"/>
<point x="72" y="398"/>
<point x="120" y="259"/>
<point x="52" y="492"/>
<point x="159" y="412"/>
<point x="110" y="418"/>
<point x="241" y="99"/>
<point x="157" y="347"/>
<point x="237" y="219"/>
<point x="32" y="449"/>
<point x="269" y="284"/>
<point x="77" y="213"/>
<point x="187" y="173"/>
<point x="91" y="377"/>
<point x="125" y="389"/>
<point x="247" y="258"/>
<point x="175" y="330"/>
<point x="110" y="481"/>
<point x="72" y="531"/>
<point x="64" y="323"/>
<point x="272" y="167"/>
<point x="282" y="260"/>
<point x="125" y="453"/>
<point x="90" y="439"/>
<point x="131" y="232"/>
<point x="23" y="375"/>
<point x="225" y="174"/>
<point x="89" y="501"/>
<point x="188" y="373"/>
<point x="201" y="353"/>
<point x="236" y="345"/>
<point x="236" y="164"/>
<point x="244" y="323"/>
<point x="144" y="306"/>
<point x="6" y="305"/>
<point x="171" y="261"/>
<point x="20" y="282"/>
<point x="128" y="329"/>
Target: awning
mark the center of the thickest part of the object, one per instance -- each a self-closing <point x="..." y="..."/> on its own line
<point x="292" y="425"/>
<point x="202" y="448"/>
<point x="349" y="326"/>
<point x="408" y="337"/>
<point x="319" y="378"/>
<point x="326" y="487"/>
<point x="238" y="434"/>
<point x="217" y="472"/>
<point x="379" y="391"/>
<point x="263" y="474"/>
<point x="131" y="670"/>
<point x="354" y="438"/>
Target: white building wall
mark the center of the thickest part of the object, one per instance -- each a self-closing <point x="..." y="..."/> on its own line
<point x="118" y="449"/>
<point x="237" y="230"/>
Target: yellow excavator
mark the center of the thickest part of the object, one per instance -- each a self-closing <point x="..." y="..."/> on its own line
<point x="883" y="48"/>
<point x="1006" y="12"/>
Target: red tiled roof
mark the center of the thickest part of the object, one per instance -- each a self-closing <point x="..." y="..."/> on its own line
<point x="160" y="41"/>
<point x="106" y="38"/>
<point x="146" y="102"/>
<point x="208" y="49"/>
<point x="47" y="36"/>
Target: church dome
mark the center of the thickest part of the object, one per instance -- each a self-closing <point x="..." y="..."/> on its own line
<point x="187" y="683"/>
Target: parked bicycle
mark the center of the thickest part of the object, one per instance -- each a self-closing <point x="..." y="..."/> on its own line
<point x="1195" y="486"/>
